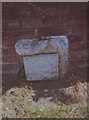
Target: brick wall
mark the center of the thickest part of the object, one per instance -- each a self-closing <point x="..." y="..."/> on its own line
<point x="21" y="19"/>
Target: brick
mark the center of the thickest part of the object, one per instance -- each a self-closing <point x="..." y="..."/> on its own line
<point x="21" y="9"/>
<point x="18" y="33"/>
<point x="24" y="11"/>
<point x="10" y="59"/>
<point x="74" y="20"/>
<point x="79" y="68"/>
<point x="8" y="34"/>
<point x="9" y="13"/>
<point x="85" y="38"/>
<point x="51" y="11"/>
<point x="73" y="30"/>
<point x="51" y="21"/>
<point x="77" y="45"/>
<point x="75" y="38"/>
<point x="8" y="43"/>
<point x="61" y="30"/>
<point x="7" y="4"/>
<point x="79" y="29"/>
<point x="79" y="9"/>
<point x="51" y="4"/>
<point x="81" y="63"/>
<point x="66" y="30"/>
<point x="10" y="24"/>
<point x="10" y="68"/>
<point x="8" y="51"/>
<point x="77" y="55"/>
<point x="32" y="23"/>
<point x="44" y="31"/>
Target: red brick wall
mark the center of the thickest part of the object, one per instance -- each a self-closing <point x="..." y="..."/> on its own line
<point x="21" y="19"/>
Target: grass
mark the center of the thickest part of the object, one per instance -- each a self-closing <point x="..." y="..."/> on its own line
<point x="19" y="103"/>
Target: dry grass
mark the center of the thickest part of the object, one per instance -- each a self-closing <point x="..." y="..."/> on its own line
<point x="77" y="93"/>
<point x="19" y="103"/>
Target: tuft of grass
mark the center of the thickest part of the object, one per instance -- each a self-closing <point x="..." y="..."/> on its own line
<point x="21" y="74"/>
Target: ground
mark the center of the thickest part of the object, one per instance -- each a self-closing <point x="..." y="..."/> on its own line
<point x="46" y="99"/>
<point x="64" y="98"/>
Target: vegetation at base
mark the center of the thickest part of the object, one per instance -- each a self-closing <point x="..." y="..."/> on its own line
<point x="20" y="103"/>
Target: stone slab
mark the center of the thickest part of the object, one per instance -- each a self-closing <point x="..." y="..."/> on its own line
<point x="42" y="67"/>
<point x="46" y="45"/>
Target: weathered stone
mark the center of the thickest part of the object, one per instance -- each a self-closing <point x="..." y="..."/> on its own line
<point x="41" y="67"/>
<point x="47" y="45"/>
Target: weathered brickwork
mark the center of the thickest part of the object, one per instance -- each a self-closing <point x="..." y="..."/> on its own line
<point x="21" y="19"/>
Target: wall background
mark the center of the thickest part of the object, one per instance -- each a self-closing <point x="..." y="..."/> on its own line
<point x="19" y="21"/>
